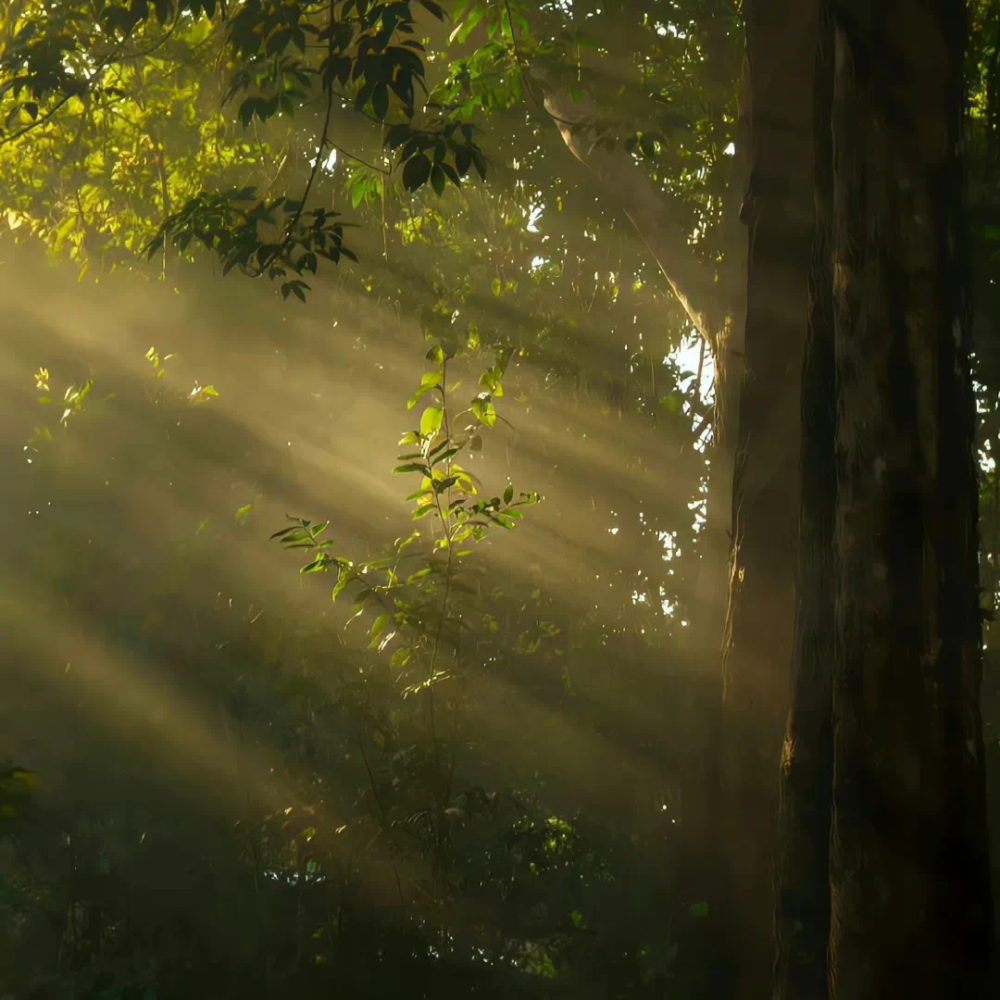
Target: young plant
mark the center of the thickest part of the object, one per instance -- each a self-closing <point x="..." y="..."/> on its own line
<point x="415" y="611"/>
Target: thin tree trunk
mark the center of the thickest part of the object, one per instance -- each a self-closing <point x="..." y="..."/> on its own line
<point x="802" y="888"/>
<point x="910" y="881"/>
<point x="759" y="628"/>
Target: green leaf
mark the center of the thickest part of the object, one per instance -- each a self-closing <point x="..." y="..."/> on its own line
<point x="430" y="380"/>
<point x="378" y="625"/>
<point x="446" y="455"/>
<point x="481" y="163"/>
<point x="508" y="494"/>
<point x="431" y="420"/>
<point x="343" y="578"/>
<point x="296" y="288"/>
<point x="250" y="107"/>
<point x="380" y="101"/>
<point x="413" y="467"/>
<point x="287" y="531"/>
<point x="491" y="383"/>
<point x="397" y="135"/>
<point x="462" y="32"/>
<point x="415" y="398"/>
<point x="484" y="411"/>
<point x="416" y="172"/>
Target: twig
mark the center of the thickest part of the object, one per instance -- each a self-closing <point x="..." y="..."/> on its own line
<point x="323" y="142"/>
<point x="159" y="43"/>
<point x="359" y="159"/>
<point x="701" y="370"/>
<point x="432" y="726"/>
<point x="41" y="120"/>
<point x="700" y="428"/>
<point x="371" y="778"/>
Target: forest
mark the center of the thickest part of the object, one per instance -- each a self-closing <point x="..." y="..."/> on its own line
<point x="499" y="499"/>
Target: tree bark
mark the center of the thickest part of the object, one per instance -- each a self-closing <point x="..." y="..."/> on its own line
<point x="910" y="881"/>
<point x="759" y="630"/>
<point x="756" y="326"/>
<point x="802" y="887"/>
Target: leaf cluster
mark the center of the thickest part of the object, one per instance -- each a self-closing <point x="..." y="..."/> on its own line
<point x="412" y="605"/>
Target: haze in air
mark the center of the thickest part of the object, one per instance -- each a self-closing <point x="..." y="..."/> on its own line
<point x="499" y="499"/>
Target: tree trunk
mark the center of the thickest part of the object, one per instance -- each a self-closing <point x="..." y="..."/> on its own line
<point x="910" y="881"/>
<point x="802" y="887"/>
<point x="759" y="628"/>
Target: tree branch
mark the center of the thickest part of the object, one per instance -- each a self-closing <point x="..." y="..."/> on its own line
<point x="690" y="280"/>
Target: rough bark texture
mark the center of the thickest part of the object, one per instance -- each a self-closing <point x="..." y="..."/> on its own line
<point x="778" y="212"/>
<point x="910" y="883"/>
<point x="756" y="434"/>
<point x="802" y="889"/>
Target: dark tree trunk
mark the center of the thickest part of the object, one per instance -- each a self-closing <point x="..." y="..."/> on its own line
<point x="910" y="882"/>
<point x="759" y="628"/>
<point x="802" y="887"/>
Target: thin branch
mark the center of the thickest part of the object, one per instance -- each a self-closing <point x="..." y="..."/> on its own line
<point x="323" y="143"/>
<point x="513" y="34"/>
<point x="361" y="111"/>
<point x="41" y="120"/>
<point x="359" y="159"/>
<point x="701" y="372"/>
<point x="371" y="777"/>
<point x="159" y="43"/>
<point x="701" y="427"/>
<point x="446" y="527"/>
